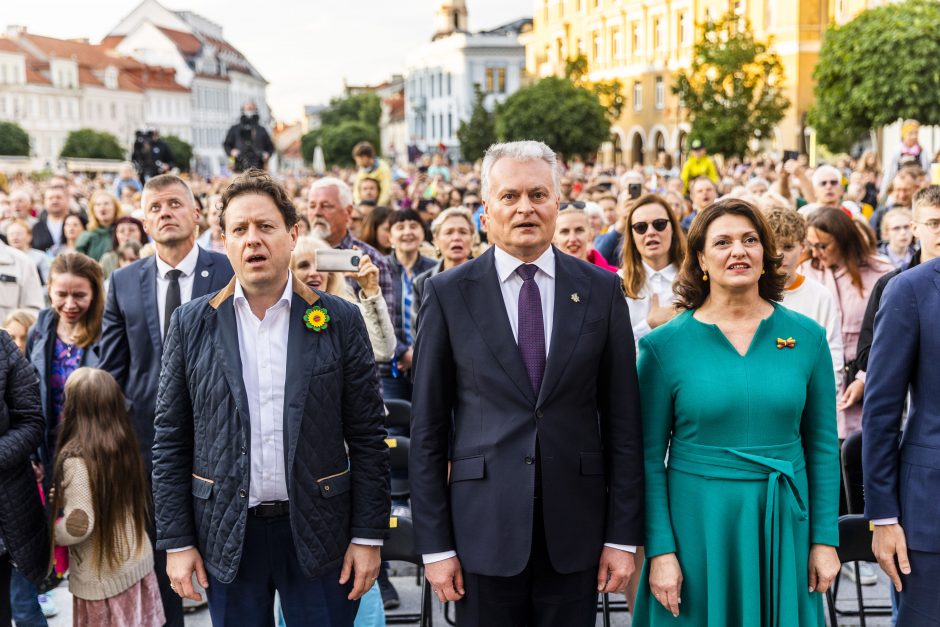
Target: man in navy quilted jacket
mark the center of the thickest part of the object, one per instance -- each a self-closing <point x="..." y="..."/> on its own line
<point x="270" y="469"/>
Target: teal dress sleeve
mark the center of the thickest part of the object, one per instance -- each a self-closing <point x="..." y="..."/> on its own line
<point x="821" y="449"/>
<point x="656" y="404"/>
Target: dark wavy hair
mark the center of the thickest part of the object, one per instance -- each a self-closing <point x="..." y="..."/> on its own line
<point x="692" y="290"/>
<point x="634" y="275"/>
<point x="256" y="181"/>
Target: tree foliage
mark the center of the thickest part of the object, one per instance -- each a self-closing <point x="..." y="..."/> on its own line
<point x="877" y="68"/>
<point x="479" y="132"/>
<point x="568" y="118"/>
<point x="182" y="151"/>
<point x="308" y="144"/>
<point x="733" y="90"/>
<point x="14" y="141"/>
<point x="86" y="143"/>
<point x="338" y="141"/>
<point x="365" y="108"/>
<point x="609" y="93"/>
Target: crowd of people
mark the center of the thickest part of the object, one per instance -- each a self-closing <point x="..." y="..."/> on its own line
<point x="169" y="419"/>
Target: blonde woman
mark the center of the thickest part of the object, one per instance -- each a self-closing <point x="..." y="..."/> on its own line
<point x="374" y="311"/>
<point x="104" y="210"/>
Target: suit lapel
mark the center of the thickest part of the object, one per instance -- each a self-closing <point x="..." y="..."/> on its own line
<point x="225" y="332"/>
<point x="936" y="276"/>
<point x="202" y="279"/>
<point x="148" y="296"/>
<point x="572" y="298"/>
<point x="484" y="300"/>
<point x="304" y="349"/>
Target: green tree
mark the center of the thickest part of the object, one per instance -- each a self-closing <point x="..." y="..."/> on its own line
<point x="14" y="141"/>
<point x="338" y="141"/>
<point x="182" y="151"/>
<point x="479" y="132"/>
<point x="733" y="90"/>
<point x="86" y="143"/>
<point x="609" y="93"/>
<point x="308" y="143"/>
<point x="877" y="68"/>
<point x="365" y="108"/>
<point x="568" y="118"/>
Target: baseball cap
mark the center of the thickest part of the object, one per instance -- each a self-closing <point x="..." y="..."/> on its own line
<point x="696" y="144"/>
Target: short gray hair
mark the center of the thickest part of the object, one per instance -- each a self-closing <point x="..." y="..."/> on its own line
<point x="822" y="171"/>
<point x="345" y="194"/>
<point x="527" y="150"/>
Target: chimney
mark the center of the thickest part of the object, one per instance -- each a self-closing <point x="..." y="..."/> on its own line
<point x="14" y="30"/>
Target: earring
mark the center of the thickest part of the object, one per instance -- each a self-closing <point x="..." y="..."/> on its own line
<point x="705" y="275"/>
<point x="763" y="272"/>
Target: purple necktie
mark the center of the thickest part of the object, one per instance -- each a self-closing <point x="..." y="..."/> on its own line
<point x="531" y="329"/>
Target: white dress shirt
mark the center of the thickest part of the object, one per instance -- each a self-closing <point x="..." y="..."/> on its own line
<point x="657" y="282"/>
<point x="188" y="267"/>
<point x="262" y="346"/>
<point x="510" y="284"/>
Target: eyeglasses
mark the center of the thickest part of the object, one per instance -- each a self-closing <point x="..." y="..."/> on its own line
<point x="641" y="227"/>
<point x="932" y="225"/>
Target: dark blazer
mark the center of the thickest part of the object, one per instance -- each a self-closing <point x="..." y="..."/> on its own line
<point x="472" y="396"/>
<point x="202" y="445"/>
<point x="40" y="349"/>
<point x="23" y="527"/>
<point x="901" y="471"/>
<point x="42" y="238"/>
<point x="421" y="279"/>
<point x="131" y="347"/>
<point x="865" y="336"/>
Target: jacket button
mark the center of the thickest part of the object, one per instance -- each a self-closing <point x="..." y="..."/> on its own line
<point x="538" y="413"/>
<point x="326" y="488"/>
<point x="243" y="494"/>
<point x="528" y="459"/>
<point x="244" y="450"/>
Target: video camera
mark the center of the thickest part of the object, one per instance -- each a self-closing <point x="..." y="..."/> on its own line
<point x="248" y="156"/>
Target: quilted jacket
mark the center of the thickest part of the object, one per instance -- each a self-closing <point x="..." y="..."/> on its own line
<point x="202" y="443"/>
<point x="23" y="525"/>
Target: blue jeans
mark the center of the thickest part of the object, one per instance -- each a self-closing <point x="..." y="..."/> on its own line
<point x="24" y="603"/>
<point x="398" y="388"/>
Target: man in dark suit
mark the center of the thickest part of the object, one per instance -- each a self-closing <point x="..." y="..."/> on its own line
<point x="47" y="232"/>
<point x="263" y="388"/>
<point x="526" y="385"/>
<point x="141" y="298"/>
<point x="901" y="470"/>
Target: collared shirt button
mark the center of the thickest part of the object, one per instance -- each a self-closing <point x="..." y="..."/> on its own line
<point x="538" y="413"/>
<point x="528" y="459"/>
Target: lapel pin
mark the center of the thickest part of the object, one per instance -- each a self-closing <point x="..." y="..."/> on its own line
<point x="786" y="343"/>
<point x="204" y="273"/>
<point x="575" y="298"/>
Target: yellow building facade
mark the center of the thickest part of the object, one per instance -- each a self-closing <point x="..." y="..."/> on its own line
<point x="643" y="43"/>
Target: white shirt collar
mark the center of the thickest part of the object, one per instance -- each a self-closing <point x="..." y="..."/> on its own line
<point x="285" y="297"/>
<point x="669" y="272"/>
<point x="506" y="264"/>
<point x="187" y="266"/>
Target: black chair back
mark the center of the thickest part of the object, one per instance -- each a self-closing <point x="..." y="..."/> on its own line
<point x="398" y="447"/>
<point x="852" y="474"/>
<point x="400" y="547"/>
<point x="398" y="419"/>
<point x="855" y="539"/>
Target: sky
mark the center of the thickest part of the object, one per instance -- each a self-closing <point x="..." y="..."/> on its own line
<point x="305" y="49"/>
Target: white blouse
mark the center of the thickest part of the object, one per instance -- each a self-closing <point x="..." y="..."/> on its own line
<point x="657" y="282"/>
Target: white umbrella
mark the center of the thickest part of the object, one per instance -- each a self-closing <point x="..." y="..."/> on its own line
<point x="319" y="163"/>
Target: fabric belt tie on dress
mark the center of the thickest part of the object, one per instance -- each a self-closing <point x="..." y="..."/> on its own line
<point x="778" y="466"/>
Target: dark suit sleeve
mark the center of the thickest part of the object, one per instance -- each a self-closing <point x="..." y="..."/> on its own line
<point x="618" y="400"/>
<point x="173" y="448"/>
<point x="230" y="139"/>
<point x="867" y="333"/>
<point x="894" y="353"/>
<point x="364" y="431"/>
<point x="435" y="392"/>
<point x="266" y="144"/>
<point x="115" y="350"/>
<point x="22" y="403"/>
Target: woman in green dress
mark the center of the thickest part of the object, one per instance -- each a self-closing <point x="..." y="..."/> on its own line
<point x="742" y="461"/>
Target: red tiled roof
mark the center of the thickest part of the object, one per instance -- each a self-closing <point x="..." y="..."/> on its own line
<point x="187" y="43"/>
<point x="8" y="46"/>
<point x="87" y="77"/>
<point x="111" y="41"/>
<point x="33" y="76"/>
<point x="156" y="77"/>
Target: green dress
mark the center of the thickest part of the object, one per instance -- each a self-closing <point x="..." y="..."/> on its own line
<point x="752" y="475"/>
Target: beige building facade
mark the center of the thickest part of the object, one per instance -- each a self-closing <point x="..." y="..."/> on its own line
<point x="644" y="43"/>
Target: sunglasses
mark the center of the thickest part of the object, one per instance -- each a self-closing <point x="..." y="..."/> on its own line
<point x="641" y="227"/>
<point x="577" y="204"/>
